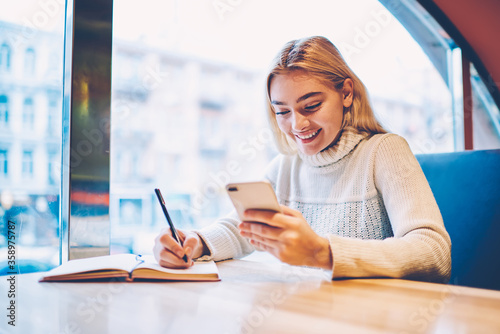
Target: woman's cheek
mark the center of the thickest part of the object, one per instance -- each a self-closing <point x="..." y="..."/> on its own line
<point x="283" y="126"/>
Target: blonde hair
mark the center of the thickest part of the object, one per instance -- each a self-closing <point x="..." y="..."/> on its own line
<point x="318" y="57"/>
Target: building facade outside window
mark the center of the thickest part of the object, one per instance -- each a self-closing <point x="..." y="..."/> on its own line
<point x="29" y="62"/>
<point x="27" y="166"/>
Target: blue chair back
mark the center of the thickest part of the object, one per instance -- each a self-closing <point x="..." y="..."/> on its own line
<point x="466" y="186"/>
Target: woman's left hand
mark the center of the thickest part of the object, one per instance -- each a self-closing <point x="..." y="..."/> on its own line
<point x="287" y="236"/>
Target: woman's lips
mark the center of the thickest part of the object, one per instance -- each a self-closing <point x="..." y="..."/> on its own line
<point x="306" y="138"/>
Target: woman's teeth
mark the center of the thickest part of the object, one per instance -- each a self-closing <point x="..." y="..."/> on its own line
<point x="308" y="136"/>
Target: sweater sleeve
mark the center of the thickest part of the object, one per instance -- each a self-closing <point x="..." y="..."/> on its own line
<point x="223" y="239"/>
<point x="421" y="247"/>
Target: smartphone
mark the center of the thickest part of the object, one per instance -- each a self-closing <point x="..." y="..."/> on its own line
<point x="252" y="195"/>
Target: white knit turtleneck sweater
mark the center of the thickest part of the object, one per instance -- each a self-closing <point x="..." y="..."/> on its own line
<point x="369" y="197"/>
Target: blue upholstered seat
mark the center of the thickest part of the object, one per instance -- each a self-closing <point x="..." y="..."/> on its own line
<point x="467" y="189"/>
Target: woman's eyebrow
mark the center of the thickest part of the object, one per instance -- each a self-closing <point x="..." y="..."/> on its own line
<point x="308" y="95"/>
<point x="302" y="98"/>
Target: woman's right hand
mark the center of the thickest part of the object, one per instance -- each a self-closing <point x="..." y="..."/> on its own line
<point x="169" y="253"/>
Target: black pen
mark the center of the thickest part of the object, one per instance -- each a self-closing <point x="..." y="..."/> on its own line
<point x="172" y="227"/>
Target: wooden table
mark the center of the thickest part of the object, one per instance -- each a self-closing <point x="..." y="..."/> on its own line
<point x="253" y="297"/>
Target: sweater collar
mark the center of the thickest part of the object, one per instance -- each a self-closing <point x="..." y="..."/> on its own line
<point x="349" y="139"/>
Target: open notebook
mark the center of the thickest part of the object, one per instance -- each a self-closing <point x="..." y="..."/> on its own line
<point x="129" y="267"/>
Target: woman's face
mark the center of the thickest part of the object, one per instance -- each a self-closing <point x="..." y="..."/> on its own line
<point x="307" y="110"/>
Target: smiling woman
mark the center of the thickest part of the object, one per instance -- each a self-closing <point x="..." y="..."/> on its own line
<point x="354" y="199"/>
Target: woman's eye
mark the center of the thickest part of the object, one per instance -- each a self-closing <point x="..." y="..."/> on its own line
<point x="314" y="106"/>
<point x="283" y="112"/>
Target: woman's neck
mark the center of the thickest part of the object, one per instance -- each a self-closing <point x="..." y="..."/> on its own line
<point x="347" y="139"/>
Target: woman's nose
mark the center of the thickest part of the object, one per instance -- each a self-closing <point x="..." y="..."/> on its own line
<point x="299" y="121"/>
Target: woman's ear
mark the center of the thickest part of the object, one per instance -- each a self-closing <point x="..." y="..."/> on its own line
<point x="347" y="92"/>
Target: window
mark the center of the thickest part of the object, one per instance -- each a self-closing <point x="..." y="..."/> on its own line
<point x="27" y="164"/>
<point x="28" y="114"/>
<point x="4" y="165"/>
<point x="130" y="212"/>
<point x="4" y="57"/>
<point x="53" y="118"/>
<point x="53" y="169"/>
<point x="4" y="111"/>
<point x="29" y="62"/>
<point x="486" y="116"/>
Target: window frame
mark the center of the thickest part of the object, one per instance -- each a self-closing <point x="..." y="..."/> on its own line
<point x="452" y="55"/>
<point x="84" y="210"/>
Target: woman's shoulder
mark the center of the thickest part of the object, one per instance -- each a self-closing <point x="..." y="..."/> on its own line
<point x="381" y="146"/>
<point x="390" y="150"/>
<point x="386" y="141"/>
<point x="386" y="136"/>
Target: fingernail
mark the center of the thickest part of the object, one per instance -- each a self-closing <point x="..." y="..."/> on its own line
<point x="188" y="251"/>
<point x="179" y="253"/>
